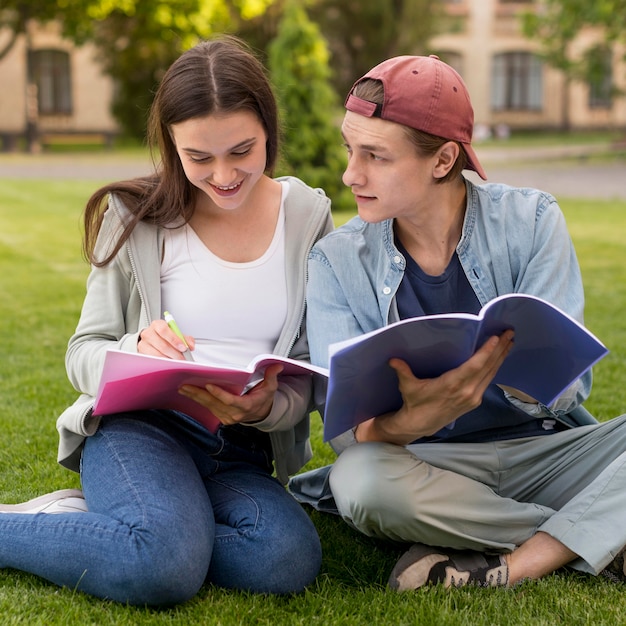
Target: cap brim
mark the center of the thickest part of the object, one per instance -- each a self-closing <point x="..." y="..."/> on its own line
<point x="473" y="162"/>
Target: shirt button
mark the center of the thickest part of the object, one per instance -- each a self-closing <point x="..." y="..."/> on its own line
<point x="387" y="290"/>
<point x="397" y="259"/>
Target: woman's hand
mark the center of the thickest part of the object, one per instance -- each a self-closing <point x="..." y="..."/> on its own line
<point x="230" y="408"/>
<point x="160" y="340"/>
<point x="429" y="404"/>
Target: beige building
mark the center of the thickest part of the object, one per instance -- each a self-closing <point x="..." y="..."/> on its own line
<point x="68" y="96"/>
<point x="510" y="86"/>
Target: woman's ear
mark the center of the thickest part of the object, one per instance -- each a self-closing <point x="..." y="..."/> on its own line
<point x="446" y="158"/>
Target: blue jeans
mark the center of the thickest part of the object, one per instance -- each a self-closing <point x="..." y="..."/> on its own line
<point x="171" y="506"/>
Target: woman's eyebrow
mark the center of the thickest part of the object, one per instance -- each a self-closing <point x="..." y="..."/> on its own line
<point x="241" y="144"/>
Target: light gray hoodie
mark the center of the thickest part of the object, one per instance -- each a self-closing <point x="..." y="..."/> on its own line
<point x="124" y="297"/>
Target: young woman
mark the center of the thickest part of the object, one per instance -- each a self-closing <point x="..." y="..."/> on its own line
<point x="214" y="239"/>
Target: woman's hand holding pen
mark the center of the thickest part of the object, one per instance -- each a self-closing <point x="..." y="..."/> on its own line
<point x="164" y="338"/>
<point x="229" y="408"/>
<point x="159" y="339"/>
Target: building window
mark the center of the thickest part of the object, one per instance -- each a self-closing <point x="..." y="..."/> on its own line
<point x="517" y="82"/>
<point x="601" y="78"/>
<point x="50" y="71"/>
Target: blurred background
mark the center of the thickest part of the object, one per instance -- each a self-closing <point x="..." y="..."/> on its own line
<point x="81" y="73"/>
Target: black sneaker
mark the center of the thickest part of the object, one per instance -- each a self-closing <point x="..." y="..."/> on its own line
<point x="422" y="565"/>
<point x="616" y="569"/>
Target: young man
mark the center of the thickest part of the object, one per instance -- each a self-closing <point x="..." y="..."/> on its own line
<point x="488" y="485"/>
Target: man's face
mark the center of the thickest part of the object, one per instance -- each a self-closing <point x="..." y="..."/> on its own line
<point x="387" y="176"/>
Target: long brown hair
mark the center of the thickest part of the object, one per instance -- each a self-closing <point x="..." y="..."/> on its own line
<point x="217" y="76"/>
<point x="425" y="144"/>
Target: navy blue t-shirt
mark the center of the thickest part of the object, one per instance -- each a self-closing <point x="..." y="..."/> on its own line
<point x="496" y="418"/>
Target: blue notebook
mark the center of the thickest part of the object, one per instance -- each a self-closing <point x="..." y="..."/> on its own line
<point x="551" y="350"/>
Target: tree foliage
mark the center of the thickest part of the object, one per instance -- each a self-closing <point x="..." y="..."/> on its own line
<point x="136" y="40"/>
<point x="16" y="14"/>
<point x="557" y="23"/>
<point x="359" y="33"/>
<point x="362" y="33"/>
<point x="310" y="112"/>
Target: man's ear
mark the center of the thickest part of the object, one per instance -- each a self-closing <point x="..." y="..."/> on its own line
<point x="446" y="158"/>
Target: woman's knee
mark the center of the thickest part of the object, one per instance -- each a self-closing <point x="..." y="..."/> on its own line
<point x="299" y="555"/>
<point x="283" y="559"/>
<point x="165" y="576"/>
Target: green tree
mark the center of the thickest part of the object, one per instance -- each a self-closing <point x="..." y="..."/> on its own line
<point x="15" y="16"/>
<point x="136" y="40"/>
<point x="310" y="111"/>
<point x="557" y="23"/>
<point x="362" y="33"/>
<point x="359" y="33"/>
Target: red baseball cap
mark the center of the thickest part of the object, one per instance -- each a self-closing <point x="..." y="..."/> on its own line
<point x="426" y="94"/>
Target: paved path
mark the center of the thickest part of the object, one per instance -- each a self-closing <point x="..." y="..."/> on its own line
<point x="565" y="171"/>
<point x="87" y="166"/>
<point x="571" y="180"/>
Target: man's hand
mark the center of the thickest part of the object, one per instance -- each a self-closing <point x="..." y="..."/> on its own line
<point x="429" y="404"/>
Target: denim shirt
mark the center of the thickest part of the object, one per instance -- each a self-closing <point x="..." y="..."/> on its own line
<point x="514" y="240"/>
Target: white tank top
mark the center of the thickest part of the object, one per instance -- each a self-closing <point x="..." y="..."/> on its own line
<point x="234" y="311"/>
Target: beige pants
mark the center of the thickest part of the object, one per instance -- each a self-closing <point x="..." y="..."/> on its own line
<point x="496" y="495"/>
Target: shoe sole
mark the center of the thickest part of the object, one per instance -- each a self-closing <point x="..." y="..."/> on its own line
<point x="413" y="570"/>
<point x="37" y="504"/>
<point x="422" y="565"/>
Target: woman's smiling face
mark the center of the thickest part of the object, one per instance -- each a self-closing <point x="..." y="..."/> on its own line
<point x="223" y="155"/>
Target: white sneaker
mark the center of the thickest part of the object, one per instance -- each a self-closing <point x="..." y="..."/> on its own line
<point x="63" y="501"/>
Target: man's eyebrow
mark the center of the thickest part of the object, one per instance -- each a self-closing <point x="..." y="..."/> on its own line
<point x="371" y="147"/>
<point x="365" y="146"/>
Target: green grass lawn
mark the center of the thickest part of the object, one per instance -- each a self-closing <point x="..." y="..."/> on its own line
<point x="42" y="282"/>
